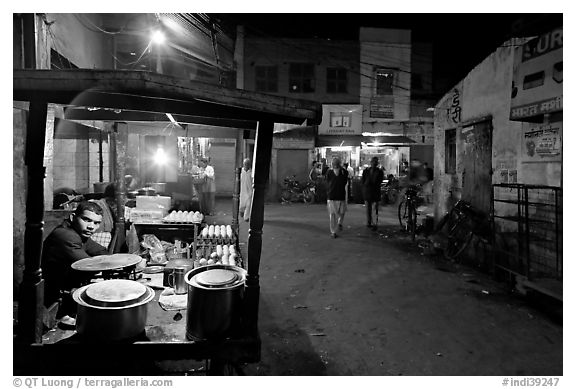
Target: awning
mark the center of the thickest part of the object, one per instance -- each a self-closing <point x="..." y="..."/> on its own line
<point x="338" y="140"/>
<point x="389" y="139"/>
<point x="356" y="140"/>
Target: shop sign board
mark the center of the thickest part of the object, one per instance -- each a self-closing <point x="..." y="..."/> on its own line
<point x="538" y="76"/>
<point x="341" y="120"/>
<point x="382" y="107"/>
<point x="542" y="143"/>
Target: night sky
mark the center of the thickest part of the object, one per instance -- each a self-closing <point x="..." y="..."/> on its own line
<point x="461" y="41"/>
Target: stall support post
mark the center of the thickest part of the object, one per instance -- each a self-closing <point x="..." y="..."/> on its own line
<point x="31" y="299"/>
<point x="237" y="172"/>
<point x="119" y="138"/>
<point x="262" y="153"/>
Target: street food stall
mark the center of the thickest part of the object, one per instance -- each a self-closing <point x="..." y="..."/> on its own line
<point x="118" y="97"/>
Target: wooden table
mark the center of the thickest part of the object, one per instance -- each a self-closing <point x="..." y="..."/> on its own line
<point x="163" y="349"/>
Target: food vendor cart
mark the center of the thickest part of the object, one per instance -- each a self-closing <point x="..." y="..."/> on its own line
<point x="117" y="96"/>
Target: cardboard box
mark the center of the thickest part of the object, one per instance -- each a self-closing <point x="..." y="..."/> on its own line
<point x="162" y="203"/>
<point x="146" y="215"/>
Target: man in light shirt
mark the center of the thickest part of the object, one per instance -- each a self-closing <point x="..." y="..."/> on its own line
<point x="336" y="184"/>
<point x="208" y="188"/>
<point x="246" y="189"/>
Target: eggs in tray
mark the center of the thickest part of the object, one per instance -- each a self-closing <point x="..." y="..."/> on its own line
<point x="184" y="217"/>
<point x="217" y="232"/>
<point x="224" y="254"/>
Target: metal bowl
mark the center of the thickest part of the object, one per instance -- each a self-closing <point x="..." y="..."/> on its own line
<point x="112" y="310"/>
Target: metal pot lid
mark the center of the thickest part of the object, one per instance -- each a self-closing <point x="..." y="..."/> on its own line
<point x="216" y="278"/>
<point x="114" y="293"/>
<point x="106" y="262"/>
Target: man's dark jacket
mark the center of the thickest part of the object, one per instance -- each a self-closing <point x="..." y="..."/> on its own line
<point x="63" y="247"/>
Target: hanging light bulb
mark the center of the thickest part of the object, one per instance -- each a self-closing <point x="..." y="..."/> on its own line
<point x="158" y="37"/>
<point x="160" y="157"/>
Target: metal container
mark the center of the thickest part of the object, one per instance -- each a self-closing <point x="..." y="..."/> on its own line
<point x="112" y="310"/>
<point x="172" y="264"/>
<point x="159" y="187"/>
<point x="215" y="294"/>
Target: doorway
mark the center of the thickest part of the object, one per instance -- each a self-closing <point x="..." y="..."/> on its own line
<point x="477" y="164"/>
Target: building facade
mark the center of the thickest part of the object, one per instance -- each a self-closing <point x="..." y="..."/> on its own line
<point x="374" y="103"/>
<point x="313" y="69"/>
<point x="498" y="146"/>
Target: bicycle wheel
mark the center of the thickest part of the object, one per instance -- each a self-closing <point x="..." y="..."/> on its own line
<point x="411" y="222"/>
<point x="403" y="213"/>
<point x="458" y="240"/>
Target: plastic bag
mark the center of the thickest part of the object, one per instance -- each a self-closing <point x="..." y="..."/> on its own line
<point x="132" y="240"/>
<point x="155" y="249"/>
<point x="151" y="242"/>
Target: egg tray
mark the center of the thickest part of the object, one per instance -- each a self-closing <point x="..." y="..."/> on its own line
<point x="208" y="248"/>
<point x="215" y="241"/>
<point x="181" y="222"/>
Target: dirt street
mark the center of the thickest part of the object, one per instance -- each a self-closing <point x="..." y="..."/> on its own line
<point x="369" y="303"/>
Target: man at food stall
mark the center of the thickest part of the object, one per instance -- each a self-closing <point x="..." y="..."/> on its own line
<point x="246" y="189"/>
<point x="372" y="178"/>
<point x="66" y="244"/>
<point x="337" y="184"/>
<point x="207" y="192"/>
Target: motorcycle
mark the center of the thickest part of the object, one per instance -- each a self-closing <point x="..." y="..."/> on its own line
<point x="293" y="191"/>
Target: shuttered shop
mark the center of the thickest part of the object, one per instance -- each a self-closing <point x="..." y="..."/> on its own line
<point x="222" y="156"/>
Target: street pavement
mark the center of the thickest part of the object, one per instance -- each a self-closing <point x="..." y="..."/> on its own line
<point x="371" y="303"/>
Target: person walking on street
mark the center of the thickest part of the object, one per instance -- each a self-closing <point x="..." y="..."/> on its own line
<point x="372" y="178"/>
<point x="246" y="189"/>
<point x="316" y="172"/>
<point x="350" y="171"/>
<point x="336" y="191"/>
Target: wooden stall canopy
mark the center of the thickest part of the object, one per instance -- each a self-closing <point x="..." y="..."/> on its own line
<point x="156" y="93"/>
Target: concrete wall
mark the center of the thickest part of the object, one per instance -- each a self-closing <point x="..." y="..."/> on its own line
<point x="485" y="91"/>
<point x="389" y="49"/>
<point x="446" y="186"/>
<point x="324" y="54"/>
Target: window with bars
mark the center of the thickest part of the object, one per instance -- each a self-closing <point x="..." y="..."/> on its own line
<point x="450" y="152"/>
<point x="301" y="78"/>
<point x="336" y="80"/>
<point x="384" y="82"/>
<point x="266" y="78"/>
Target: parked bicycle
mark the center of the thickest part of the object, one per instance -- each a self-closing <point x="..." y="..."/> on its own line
<point x="462" y="225"/>
<point x="407" y="210"/>
<point x="293" y="191"/>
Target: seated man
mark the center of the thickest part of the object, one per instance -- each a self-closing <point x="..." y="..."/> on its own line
<point x="66" y="244"/>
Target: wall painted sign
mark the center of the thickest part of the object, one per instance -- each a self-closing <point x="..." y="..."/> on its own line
<point x="542" y="143"/>
<point x="455" y="110"/>
<point x="341" y="120"/>
<point x="538" y="76"/>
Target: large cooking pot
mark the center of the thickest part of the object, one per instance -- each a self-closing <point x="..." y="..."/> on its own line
<point x="215" y="294"/>
<point x="112" y="310"/>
